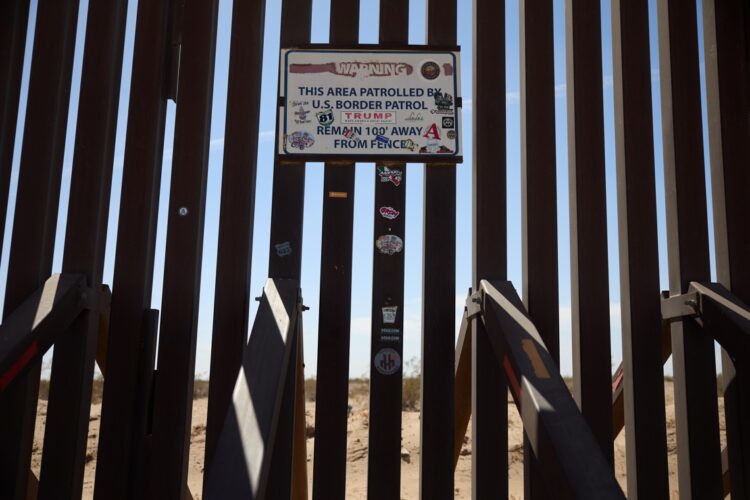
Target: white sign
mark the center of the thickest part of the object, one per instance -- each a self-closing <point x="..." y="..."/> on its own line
<point x="370" y="104"/>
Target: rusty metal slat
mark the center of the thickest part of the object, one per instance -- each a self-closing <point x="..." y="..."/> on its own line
<point x="143" y="404"/>
<point x="287" y="204"/>
<point x="489" y="401"/>
<point x="696" y="415"/>
<point x="588" y="220"/>
<point x="69" y="403"/>
<point x="386" y="351"/>
<point x="438" y="332"/>
<point x="384" y="458"/>
<point x="727" y="59"/>
<point x="234" y="255"/>
<point x="439" y="296"/>
<point x="184" y="249"/>
<point x="122" y="430"/>
<point x="14" y="18"/>
<point x="643" y="367"/>
<point x="35" y="221"/>
<point x="539" y="192"/>
<point x="331" y="402"/>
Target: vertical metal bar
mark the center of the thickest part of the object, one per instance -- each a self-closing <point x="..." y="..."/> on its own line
<point x="438" y="337"/>
<point x="489" y="414"/>
<point x="592" y="375"/>
<point x="35" y="222"/>
<point x="645" y="439"/>
<point x="288" y="201"/>
<point x="696" y="416"/>
<point x="122" y="429"/>
<point x="331" y="402"/>
<point x="182" y="268"/>
<point x="386" y="351"/>
<point x="234" y="255"/>
<point x="143" y="405"/>
<point x="14" y="19"/>
<point x="539" y="193"/>
<point x="68" y="410"/>
<point x="438" y="304"/>
<point x="386" y="347"/>
<point x="728" y="98"/>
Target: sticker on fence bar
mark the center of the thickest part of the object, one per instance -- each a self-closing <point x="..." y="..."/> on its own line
<point x="390" y="334"/>
<point x="389" y="174"/>
<point x="283" y="249"/>
<point x="387" y="361"/>
<point x="389" y="244"/>
<point x="370" y="104"/>
<point x="389" y="314"/>
<point x="389" y="212"/>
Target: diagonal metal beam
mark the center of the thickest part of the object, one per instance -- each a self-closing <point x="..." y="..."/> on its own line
<point x="559" y="435"/>
<point x="245" y="447"/>
<point x="34" y="326"/>
<point x="462" y="387"/>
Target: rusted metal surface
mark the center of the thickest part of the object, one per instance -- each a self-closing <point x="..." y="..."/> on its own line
<point x="384" y="455"/>
<point x="727" y="56"/>
<point x="331" y="404"/>
<point x="132" y="337"/>
<point x="539" y="191"/>
<point x="14" y="18"/>
<point x="35" y="219"/>
<point x="287" y="206"/>
<point x="588" y="220"/>
<point x="233" y="261"/>
<point x="646" y="439"/>
<point x="386" y="344"/>
<point x="489" y="248"/>
<point x="696" y="407"/>
<point x="439" y="297"/>
<point x="173" y="394"/>
<point x="66" y="432"/>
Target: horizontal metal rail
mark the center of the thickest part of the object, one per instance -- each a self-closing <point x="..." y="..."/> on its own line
<point x="569" y="457"/>
<point x="241" y="466"/>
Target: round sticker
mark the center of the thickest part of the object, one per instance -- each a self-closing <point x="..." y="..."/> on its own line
<point x="430" y="70"/>
<point x="387" y="361"/>
<point x="389" y="244"/>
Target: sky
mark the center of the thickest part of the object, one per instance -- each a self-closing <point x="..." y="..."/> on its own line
<point x="365" y="180"/>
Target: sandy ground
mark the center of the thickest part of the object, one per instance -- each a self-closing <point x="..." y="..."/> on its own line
<point x="357" y="450"/>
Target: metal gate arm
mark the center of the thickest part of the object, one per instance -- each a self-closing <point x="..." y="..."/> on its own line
<point x="29" y="331"/>
<point x="569" y="457"/>
<point x="723" y="316"/>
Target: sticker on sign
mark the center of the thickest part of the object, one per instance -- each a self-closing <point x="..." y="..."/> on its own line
<point x="369" y="104"/>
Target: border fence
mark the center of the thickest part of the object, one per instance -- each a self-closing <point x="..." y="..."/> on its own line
<point x="508" y="340"/>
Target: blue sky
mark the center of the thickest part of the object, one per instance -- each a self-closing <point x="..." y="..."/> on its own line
<point x="364" y="190"/>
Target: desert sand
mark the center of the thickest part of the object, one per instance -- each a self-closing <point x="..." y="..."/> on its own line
<point x="357" y="449"/>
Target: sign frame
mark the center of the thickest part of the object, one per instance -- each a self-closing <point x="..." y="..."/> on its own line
<point x="434" y="158"/>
